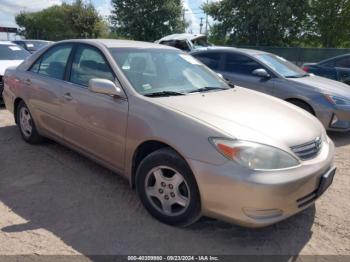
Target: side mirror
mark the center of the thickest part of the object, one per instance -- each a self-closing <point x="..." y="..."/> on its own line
<point x="105" y="86"/>
<point x="220" y="75"/>
<point x="261" y="73"/>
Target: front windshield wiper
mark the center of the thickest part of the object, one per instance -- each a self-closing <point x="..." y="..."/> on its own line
<point x="207" y="88"/>
<point x="164" y="93"/>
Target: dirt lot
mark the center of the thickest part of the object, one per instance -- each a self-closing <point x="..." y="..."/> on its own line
<point x="54" y="201"/>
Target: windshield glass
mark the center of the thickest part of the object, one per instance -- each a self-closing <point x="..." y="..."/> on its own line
<point x="159" y="70"/>
<point x="12" y="52"/>
<point x="281" y="65"/>
<point x="200" y="42"/>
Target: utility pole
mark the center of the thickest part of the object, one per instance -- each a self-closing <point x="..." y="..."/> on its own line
<point x="201" y="25"/>
<point x="206" y="21"/>
<point x="183" y="14"/>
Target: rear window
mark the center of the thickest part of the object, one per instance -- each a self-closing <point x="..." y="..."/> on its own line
<point x="12" y="52"/>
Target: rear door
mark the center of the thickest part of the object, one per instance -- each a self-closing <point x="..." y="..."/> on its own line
<point x="238" y="68"/>
<point x="212" y="59"/>
<point x="326" y="69"/>
<point x="45" y="79"/>
<point x="95" y="123"/>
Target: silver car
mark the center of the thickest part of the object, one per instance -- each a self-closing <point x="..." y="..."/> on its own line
<point x="187" y="142"/>
<point x="327" y="99"/>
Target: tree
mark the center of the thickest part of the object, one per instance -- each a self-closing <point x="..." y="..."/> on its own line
<point x="77" y="20"/>
<point x="330" y="22"/>
<point x="259" y="22"/>
<point x="147" y="20"/>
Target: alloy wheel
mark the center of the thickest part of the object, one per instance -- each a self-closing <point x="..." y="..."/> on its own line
<point x="167" y="191"/>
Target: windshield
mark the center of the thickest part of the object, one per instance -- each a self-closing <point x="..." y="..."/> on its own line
<point x="281" y="65"/>
<point x="12" y="52"/>
<point x="165" y="71"/>
<point x="200" y="42"/>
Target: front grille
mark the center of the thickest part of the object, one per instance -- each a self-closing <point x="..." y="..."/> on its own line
<point x="1" y="83"/>
<point x="308" y="150"/>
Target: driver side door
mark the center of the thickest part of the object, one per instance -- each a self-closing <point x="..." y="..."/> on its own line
<point x="94" y="123"/>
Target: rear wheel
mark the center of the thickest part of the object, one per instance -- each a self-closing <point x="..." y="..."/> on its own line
<point x="26" y="125"/>
<point x="167" y="188"/>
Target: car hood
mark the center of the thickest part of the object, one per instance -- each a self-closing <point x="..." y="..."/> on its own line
<point x="325" y="85"/>
<point x="4" y="64"/>
<point x="249" y="115"/>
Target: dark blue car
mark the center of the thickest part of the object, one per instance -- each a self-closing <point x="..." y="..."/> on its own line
<point x="336" y="68"/>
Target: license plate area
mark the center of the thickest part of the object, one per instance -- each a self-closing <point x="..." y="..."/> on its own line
<point x="325" y="182"/>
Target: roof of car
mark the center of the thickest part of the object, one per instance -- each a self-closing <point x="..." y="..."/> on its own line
<point x="334" y="58"/>
<point x="181" y="37"/>
<point x="114" y="43"/>
<point x="6" y="43"/>
<point x="229" y="49"/>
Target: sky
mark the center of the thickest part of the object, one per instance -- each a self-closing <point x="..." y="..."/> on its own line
<point x="9" y="8"/>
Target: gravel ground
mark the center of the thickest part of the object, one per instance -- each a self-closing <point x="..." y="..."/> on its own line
<point x="55" y="201"/>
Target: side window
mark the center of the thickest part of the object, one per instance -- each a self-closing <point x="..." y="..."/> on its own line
<point x="182" y="45"/>
<point x="35" y="67"/>
<point x="240" y="64"/>
<point x="89" y="63"/>
<point x="343" y="62"/>
<point x="212" y="59"/>
<point x="330" y="63"/>
<point x="53" y="62"/>
<point x="168" y="43"/>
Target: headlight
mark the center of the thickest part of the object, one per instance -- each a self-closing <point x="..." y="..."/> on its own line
<point x="253" y="155"/>
<point x="336" y="100"/>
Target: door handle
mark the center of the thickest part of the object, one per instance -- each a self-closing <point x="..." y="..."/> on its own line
<point x="28" y="81"/>
<point x="68" y="96"/>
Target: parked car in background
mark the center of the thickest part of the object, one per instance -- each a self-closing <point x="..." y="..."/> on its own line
<point x="336" y="68"/>
<point x="32" y="45"/>
<point x="187" y="142"/>
<point x="10" y="55"/>
<point x="185" y="42"/>
<point x="328" y="100"/>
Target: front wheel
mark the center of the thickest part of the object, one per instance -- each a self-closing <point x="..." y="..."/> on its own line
<point x="168" y="189"/>
<point x="26" y="125"/>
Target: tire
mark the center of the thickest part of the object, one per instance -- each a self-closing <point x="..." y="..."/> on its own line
<point x="26" y="125"/>
<point x="168" y="189"/>
<point x="302" y="105"/>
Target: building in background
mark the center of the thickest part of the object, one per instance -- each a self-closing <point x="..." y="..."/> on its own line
<point x="9" y="33"/>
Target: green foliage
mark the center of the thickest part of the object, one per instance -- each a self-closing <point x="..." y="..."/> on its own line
<point x="259" y="22"/>
<point x="146" y="20"/>
<point x="330" y="22"/>
<point x="308" y="23"/>
<point x="77" y="20"/>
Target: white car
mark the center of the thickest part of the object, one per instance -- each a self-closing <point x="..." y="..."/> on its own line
<point x="185" y="42"/>
<point x="10" y="55"/>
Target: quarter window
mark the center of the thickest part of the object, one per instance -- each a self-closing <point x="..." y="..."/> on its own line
<point x="240" y="64"/>
<point x="53" y="62"/>
<point x="89" y="63"/>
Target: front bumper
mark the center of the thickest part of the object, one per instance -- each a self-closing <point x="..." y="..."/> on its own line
<point x="256" y="199"/>
<point x="336" y="119"/>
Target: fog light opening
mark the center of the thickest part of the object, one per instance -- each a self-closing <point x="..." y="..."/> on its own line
<point x="262" y="213"/>
<point x="334" y="119"/>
